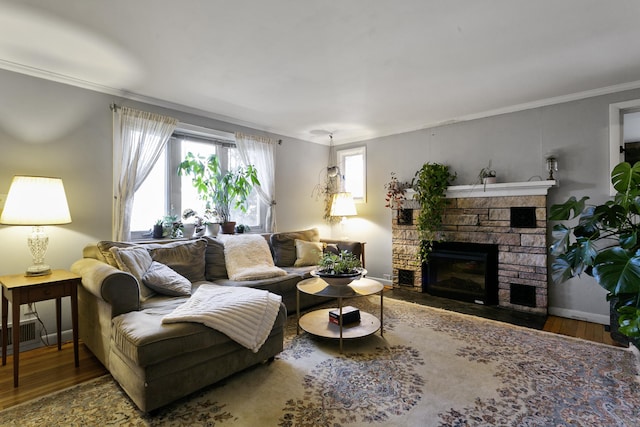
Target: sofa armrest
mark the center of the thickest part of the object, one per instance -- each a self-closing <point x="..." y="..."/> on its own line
<point x="357" y="248"/>
<point x="109" y="284"/>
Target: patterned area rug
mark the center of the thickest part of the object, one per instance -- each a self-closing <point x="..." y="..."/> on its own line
<point x="432" y="368"/>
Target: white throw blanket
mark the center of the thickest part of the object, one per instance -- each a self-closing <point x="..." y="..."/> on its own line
<point x="248" y="257"/>
<point x="245" y="315"/>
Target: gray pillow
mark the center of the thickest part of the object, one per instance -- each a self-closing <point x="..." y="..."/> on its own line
<point x="185" y="258"/>
<point x="105" y="246"/>
<point x="283" y="245"/>
<point x="164" y="280"/>
<point x="135" y="260"/>
<point x="215" y="265"/>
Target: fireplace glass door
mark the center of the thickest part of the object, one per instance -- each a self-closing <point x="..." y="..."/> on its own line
<point x="462" y="271"/>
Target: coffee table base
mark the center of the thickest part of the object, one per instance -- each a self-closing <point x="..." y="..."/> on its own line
<point x="317" y="323"/>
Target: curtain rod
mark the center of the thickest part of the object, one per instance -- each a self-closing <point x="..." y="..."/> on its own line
<point x="114" y="107"/>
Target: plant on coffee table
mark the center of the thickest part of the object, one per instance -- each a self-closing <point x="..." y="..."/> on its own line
<point x="344" y="263"/>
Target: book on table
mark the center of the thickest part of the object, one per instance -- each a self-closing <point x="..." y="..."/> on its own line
<point x="349" y="315"/>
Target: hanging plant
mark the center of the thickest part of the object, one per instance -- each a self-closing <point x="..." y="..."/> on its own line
<point x="431" y="182"/>
<point x="324" y="190"/>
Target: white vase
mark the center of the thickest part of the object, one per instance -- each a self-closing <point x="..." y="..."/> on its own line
<point x="489" y="180"/>
<point x="213" y="229"/>
<point x="188" y="229"/>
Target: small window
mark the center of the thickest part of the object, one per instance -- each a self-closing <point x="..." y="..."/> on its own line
<point x="353" y="165"/>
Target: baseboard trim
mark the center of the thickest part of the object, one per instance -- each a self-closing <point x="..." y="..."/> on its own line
<point x="385" y="282"/>
<point x="579" y="315"/>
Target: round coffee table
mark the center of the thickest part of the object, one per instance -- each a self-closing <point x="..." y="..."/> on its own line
<point x="317" y="322"/>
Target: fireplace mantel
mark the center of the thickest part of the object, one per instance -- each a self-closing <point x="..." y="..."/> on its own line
<point x="501" y="189"/>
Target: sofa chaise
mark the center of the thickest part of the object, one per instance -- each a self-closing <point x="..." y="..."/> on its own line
<point x="121" y="309"/>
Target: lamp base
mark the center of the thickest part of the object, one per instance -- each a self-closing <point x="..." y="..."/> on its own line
<point x="38" y="270"/>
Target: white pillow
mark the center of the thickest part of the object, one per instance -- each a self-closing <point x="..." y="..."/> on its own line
<point x="307" y="253"/>
<point x="166" y="281"/>
<point x="135" y="260"/>
<point x="248" y="257"/>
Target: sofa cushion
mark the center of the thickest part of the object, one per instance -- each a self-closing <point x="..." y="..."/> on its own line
<point x="104" y="247"/>
<point x="284" y="247"/>
<point x="145" y="341"/>
<point x="215" y="267"/>
<point x="135" y="260"/>
<point x="186" y="258"/>
<point x="166" y="281"/>
<point x="248" y="257"/>
<point x="307" y="253"/>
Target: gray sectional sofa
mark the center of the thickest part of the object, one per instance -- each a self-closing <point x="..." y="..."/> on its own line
<point x="155" y="363"/>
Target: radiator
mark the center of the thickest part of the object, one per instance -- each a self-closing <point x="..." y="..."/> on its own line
<point x="29" y="335"/>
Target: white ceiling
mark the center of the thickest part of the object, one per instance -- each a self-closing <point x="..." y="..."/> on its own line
<point x="357" y="68"/>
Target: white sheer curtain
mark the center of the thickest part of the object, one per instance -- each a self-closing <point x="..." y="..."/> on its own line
<point x="138" y="140"/>
<point x="261" y="152"/>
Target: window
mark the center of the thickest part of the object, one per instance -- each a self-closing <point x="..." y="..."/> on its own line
<point x="353" y="165"/>
<point x="617" y="137"/>
<point x="166" y="193"/>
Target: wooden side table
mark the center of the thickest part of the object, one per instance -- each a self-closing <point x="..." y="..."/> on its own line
<point x="21" y="289"/>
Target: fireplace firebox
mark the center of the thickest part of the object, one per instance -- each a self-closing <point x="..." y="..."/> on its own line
<point x="462" y="271"/>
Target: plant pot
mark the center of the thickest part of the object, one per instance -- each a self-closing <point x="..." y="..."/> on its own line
<point x="339" y="279"/>
<point x="188" y="229"/>
<point x="489" y="180"/>
<point x="158" y="231"/>
<point x="228" y="227"/>
<point x="213" y="229"/>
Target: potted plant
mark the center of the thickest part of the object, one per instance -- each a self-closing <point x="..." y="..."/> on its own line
<point x="487" y="175"/>
<point x="431" y="182"/>
<point x="604" y="244"/>
<point x="158" y="229"/>
<point x="222" y="190"/>
<point x="242" y="228"/>
<point x="339" y="269"/>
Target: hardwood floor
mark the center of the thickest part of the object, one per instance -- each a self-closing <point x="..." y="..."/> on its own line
<point x="45" y="370"/>
<point x="579" y="329"/>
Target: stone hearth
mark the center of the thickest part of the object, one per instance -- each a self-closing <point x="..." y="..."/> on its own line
<point x="480" y="214"/>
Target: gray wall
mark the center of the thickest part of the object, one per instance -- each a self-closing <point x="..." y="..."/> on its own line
<point x="52" y="129"/>
<point x="516" y="144"/>
<point x="48" y="128"/>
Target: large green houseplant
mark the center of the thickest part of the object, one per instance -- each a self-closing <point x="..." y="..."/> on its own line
<point x="222" y="190"/>
<point x="604" y="243"/>
<point x="430" y="184"/>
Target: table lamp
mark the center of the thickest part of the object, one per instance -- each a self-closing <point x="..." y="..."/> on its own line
<point x="343" y="205"/>
<point x="36" y="201"/>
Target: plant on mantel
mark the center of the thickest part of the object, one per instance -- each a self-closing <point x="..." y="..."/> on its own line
<point x="430" y="183"/>
<point x="604" y="244"/>
<point x="396" y="192"/>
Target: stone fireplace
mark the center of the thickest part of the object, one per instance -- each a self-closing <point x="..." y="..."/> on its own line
<point x="511" y="217"/>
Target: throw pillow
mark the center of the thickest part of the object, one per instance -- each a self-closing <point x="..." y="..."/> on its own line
<point x="104" y="248"/>
<point x="186" y="258"/>
<point x="166" y="281"/>
<point x="332" y="248"/>
<point x="215" y="264"/>
<point x="307" y="253"/>
<point x="135" y="260"/>
<point x="248" y="258"/>
<point x="284" y="247"/>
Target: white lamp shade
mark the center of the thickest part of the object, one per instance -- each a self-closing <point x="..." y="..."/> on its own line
<point x="35" y="200"/>
<point x="343" y="205"/>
